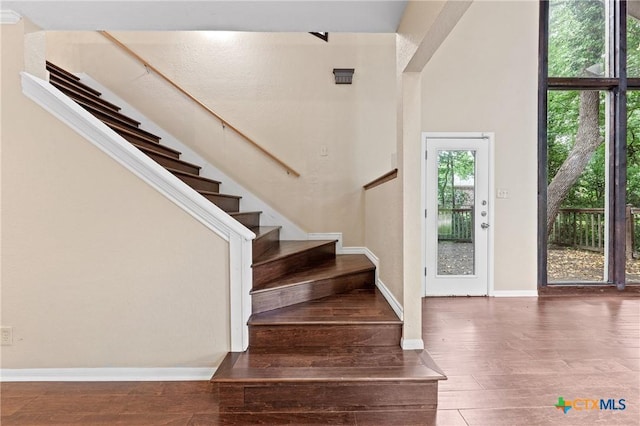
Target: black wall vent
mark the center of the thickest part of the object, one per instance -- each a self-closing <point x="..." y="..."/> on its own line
<point x="343" y="75"/>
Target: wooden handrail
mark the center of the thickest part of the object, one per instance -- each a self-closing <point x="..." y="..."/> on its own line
<point x="382" y="179"/>
<point x="224" y="122"/>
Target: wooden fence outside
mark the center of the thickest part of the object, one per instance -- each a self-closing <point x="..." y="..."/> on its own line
<point x="455" y="225"/>
<point x="586" y="229"/>
<point x="579" y="228"/>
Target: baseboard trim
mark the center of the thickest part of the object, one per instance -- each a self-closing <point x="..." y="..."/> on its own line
<point x="411" y="344"/>
<point x="515" y="293"/>
<point x="328" y="236"/>
<point x="105" y="374"/>
<point x="393" y="302"/>
<point x="363" y="250"/>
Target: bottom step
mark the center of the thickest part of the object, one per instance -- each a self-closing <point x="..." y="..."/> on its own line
<point x="328" y="379"/>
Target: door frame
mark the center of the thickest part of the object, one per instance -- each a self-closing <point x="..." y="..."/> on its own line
<point x="490" y="138"/>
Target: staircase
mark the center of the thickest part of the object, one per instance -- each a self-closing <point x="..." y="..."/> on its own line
<point x="321" y="336"/>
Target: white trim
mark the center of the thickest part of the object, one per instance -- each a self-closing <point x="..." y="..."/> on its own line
<point x="490" y="136"/>
<point x="105" y="374"/>
<point x="250" y="202"/>
<point x="423" y="208"/>
<point x="185" y="197"/>
<point x="411" y="344"/>
<point x="9" y="17"/>
<point x="328" y="236"/>
<point x="363" y="250"/>
<point x="393" y="302"/>
<point x="515" y="293"/>
<point x="370" y="255"/>
<point x="384" y="290"/>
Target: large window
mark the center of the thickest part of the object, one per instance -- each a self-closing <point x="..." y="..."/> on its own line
<point x="589" y="142"/>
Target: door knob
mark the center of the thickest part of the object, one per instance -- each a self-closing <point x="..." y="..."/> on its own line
<point x="484" y="225"/>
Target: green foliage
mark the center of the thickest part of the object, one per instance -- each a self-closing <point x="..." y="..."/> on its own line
<point x="576" y="37"/>
<point x="577" y="42"/>
<point x="454" y="167"/>
<point x="633" y="47"/>
<point x="633" y="144"/>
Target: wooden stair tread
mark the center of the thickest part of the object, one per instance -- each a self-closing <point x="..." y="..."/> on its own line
<point x="51" y="67"/>
<point x="105" y="113"/>
<point x="341" y="265"/>
<point x="249" y="219"/>
<point x="289" y="248"/>
<point x="156" y="148"/>
<point x="77" y="85"/>
<point x="134" y="131"/>
<point x="218" y="194"/>
<point x="167" y="157"/>
<point x="341" y="364"/>
<point x="361" y="306"/>
<point x="262" y="231"/>
<point x="191" y="175"/>
<point x="243" y="212"/>
<point x="76" y="93"/>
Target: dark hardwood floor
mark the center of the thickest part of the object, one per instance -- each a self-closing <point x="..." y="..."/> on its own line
<point x="507" y="362"/>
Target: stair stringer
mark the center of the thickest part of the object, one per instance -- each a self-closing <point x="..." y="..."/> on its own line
<point x="211" y="216"/>
<point x="250" y="202"/>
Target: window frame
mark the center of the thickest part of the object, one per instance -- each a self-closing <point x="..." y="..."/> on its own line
<point x="617" y="87"/>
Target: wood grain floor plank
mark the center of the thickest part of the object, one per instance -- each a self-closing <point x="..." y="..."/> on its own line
<point x="459" y="383"/>
<point x="545" y="416"/>
<point x="632" y="364"/>
<point x="12" y="404"/>
<point x="78" y="404"/>
<point x="205" y="402"/>
<point x="559" y="382"/>
<point x="302" y="419"/>
<point x="411" y="418"/>
<point x="97" y="419"/>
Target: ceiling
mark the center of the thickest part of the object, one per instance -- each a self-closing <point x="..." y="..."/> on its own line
<point x="379" y="16"/>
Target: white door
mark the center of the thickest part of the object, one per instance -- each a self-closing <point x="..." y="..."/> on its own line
<point x="457" y="216"/>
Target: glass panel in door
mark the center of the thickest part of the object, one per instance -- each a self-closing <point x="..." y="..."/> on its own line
<point x="456" y="205"/>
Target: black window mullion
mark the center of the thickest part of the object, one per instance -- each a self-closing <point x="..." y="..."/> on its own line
<point x="543" y="77"/>
<point x="618" y="169"/>
<point x="581" y="83"/>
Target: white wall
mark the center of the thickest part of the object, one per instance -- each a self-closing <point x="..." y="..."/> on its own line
<point x="278" y="89"/>
<point x="483" y="78"/>
<point x="98" y="269"/>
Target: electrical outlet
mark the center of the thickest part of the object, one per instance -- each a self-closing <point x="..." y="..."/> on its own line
<point x="6" y="336"/>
